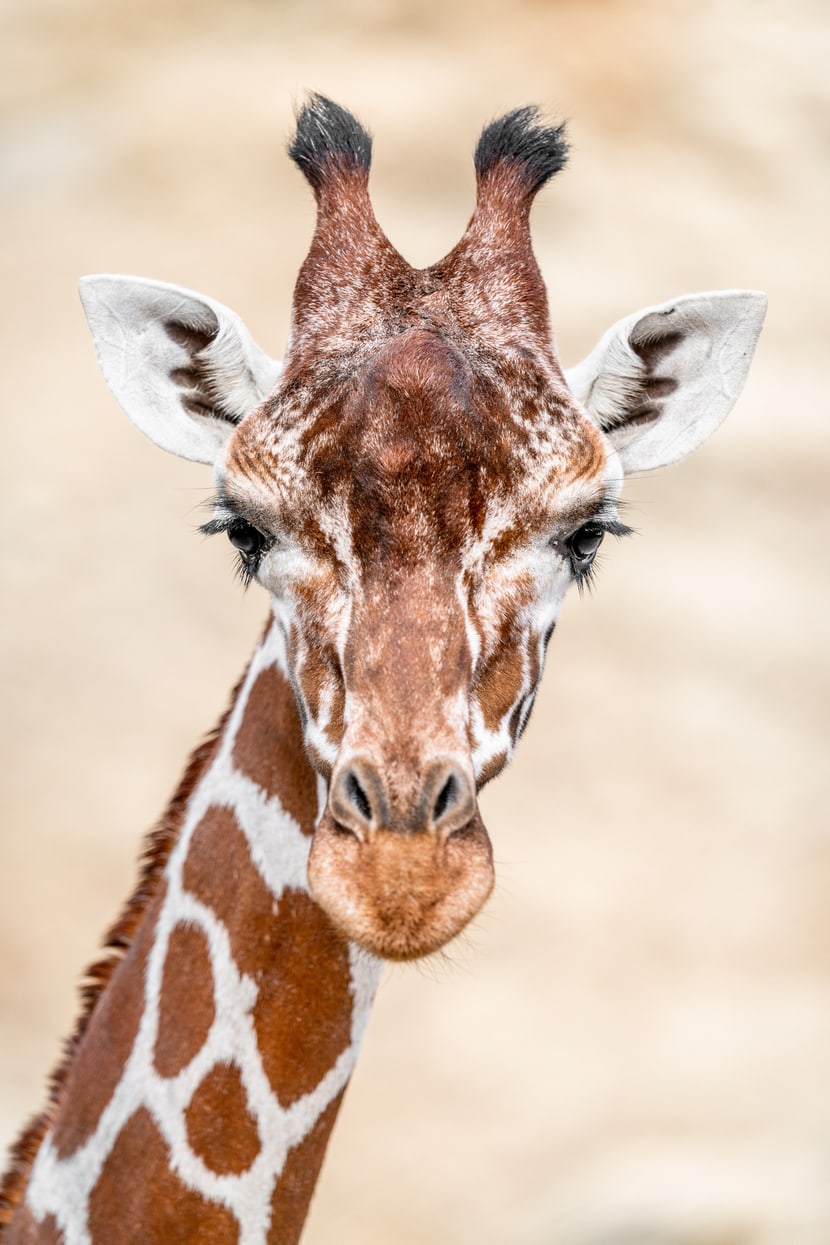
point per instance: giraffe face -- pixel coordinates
(414, 522)
(416, 487)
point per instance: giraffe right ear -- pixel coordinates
(660, 382)
(183, 367)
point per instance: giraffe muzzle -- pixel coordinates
(401, 872)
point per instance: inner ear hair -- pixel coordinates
(208, 384)
(631, 391)
(653, 341)
(200, 394)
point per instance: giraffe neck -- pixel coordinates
(199, 1100)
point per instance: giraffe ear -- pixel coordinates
(183, 367)
(660, 382)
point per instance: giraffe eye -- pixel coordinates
(246, 538)
(583, 546)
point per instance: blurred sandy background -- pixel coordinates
(632, 1047)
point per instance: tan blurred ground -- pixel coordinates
(633, 1045)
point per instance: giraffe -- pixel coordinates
(416, 487)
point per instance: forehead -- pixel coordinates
(416, 446)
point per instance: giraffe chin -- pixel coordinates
(400, 896)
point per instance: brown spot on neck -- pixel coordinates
(220, 1127)
(158, 1209)
(303, 1015)
(269, 748)
(186, 1006)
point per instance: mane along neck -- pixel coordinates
(221, 1028)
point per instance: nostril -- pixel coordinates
(450, 798)
(357, 797)
(446, 797)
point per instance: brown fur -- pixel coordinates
(236, 892)
(186, 1006)
(303, 1020)
(220, 1127)
(269, 748)
(503, 683)
(158, 1209)
(27, 1231)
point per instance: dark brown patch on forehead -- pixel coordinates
(300, 965)
(186, 1006)
(139, 1198)
(412, 451)
(106, 1046)
(418, 435)
(26, 1230)
(269, 748)
(292, 1195)
(303, 1015)
(220, 1127)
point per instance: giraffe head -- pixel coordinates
(416, 488)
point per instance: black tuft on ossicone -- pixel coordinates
(325, 131)
(520, 138)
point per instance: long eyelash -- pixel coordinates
(214, 527)
(244, 569)
(585, 580)
(217, 524)
(615, 528)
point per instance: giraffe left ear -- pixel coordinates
(183, 366)
(660, 382)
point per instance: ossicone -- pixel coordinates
(521, 149)
(329, 140)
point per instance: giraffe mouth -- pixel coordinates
(400, 896)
